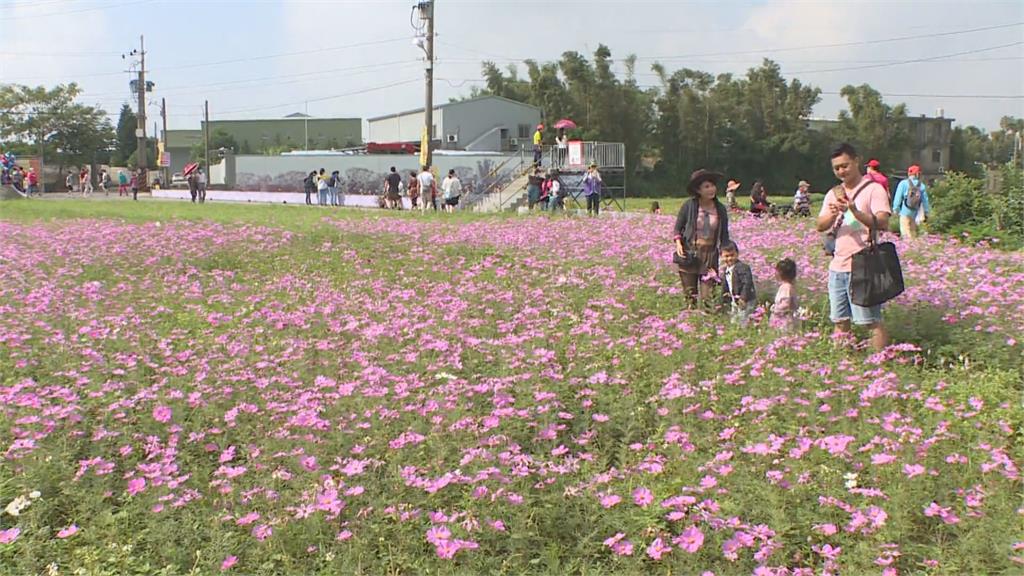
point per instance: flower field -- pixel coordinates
(279, 390)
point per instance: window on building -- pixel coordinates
(524, 131)
(433, 132)
(937, 156)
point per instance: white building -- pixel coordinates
(486, 123)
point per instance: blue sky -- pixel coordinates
(255, 59)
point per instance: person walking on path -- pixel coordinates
(333, 186)
(122, 183)
(452, 189)
(911, 203)
(393, 189)
(135, 183)
(193, 185)
(69, 181)
(426, 185)
(538, 138)
(33, 183)
(414, 190)
(85, 181)
(852, 208)
(701, 228)
(592, 190)
(201, 185)
(309, 187)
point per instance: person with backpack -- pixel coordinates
(911, 203)
(122, 183)
(309, 186)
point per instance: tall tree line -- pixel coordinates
(753, 126)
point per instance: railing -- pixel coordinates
(495, 179)
(607, 155)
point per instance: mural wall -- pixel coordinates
(364, 174)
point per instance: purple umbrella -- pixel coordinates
(565, 123)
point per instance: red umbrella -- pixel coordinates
(190, 168)
(565, 123)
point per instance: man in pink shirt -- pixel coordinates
(851, 209)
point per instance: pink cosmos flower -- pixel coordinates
(9, 535)
(690, 539)
(136, 485)
(228, 563)
(67, 532)
(343, 535)
(826, 529)
(912, 470)
(642, 497)
(162, 413)
(262, 532)
(609, 500)
(658, 548)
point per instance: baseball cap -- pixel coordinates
(874, 163)
(915, 169)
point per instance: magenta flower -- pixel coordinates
(642, 497)
(262, 532)
(10, 535)
(162, 413)
(67, 532)
(658, 548)
(228, 563)
(690, 539)
(136, 485)
(609, 500)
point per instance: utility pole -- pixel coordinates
(163, 138)
(140, 153)
(206, 136)
(426, 9)
(42, 166)
(305, 123)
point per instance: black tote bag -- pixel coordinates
(876, 275)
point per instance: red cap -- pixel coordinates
(915, 169)
(873, 164)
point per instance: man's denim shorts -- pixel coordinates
(841, 307)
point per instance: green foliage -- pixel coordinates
(962, 206)
(875, 128)
(218, 139)
(127, 142)
(70, 132)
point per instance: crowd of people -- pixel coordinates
(24, 181)
(708, 260)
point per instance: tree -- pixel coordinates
(127, 142)
(70, 132)
(219, 139)
(876, 129)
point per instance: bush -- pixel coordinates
(961, 206)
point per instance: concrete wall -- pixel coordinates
(401, 128)
(361, 174)
(293, 198)
(472, 119)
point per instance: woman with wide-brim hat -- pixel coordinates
(702, 226)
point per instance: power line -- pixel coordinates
(903, 62)
(319, 99)
(196, 87)
(762, 51)
(66, 12)
(237, 60)
(838, 44)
